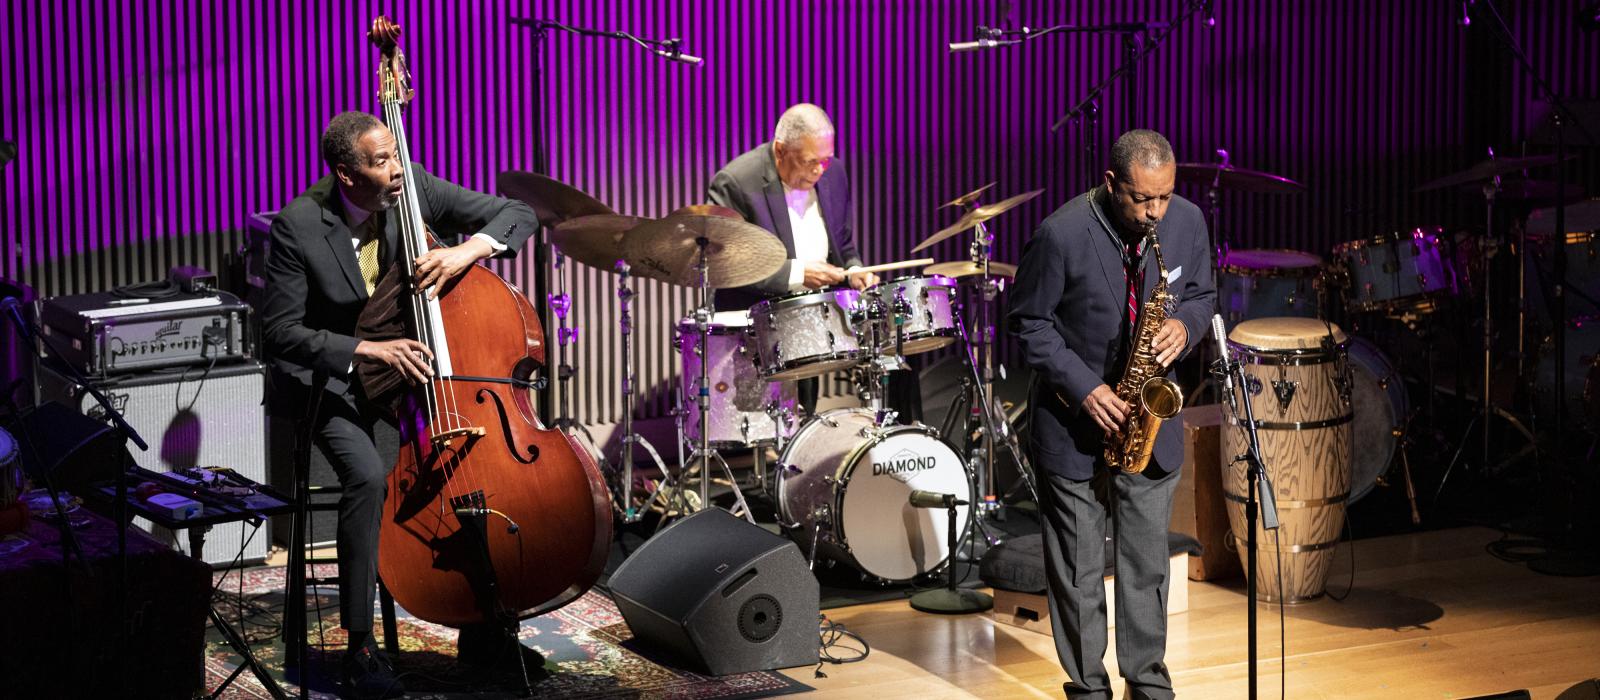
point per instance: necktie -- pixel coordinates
(367, 256)
(1133, 277)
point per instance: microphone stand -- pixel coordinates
(1259, 494)
(1135, 47)
(667, 48)
(119, 507)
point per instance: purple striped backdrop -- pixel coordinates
(148, 131)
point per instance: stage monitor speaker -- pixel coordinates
(721, 595)
(195, 417)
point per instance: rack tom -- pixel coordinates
(1395, 271)
(1262, 283)
(809, 334)
(1297, 375)
(926, 307)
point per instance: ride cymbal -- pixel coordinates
(1236, 178)
(967, 198)
(737, 253)
(977, 216)
(594, 240)
(552, 200)
(1486, 169)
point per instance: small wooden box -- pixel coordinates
(1031, 611)
(1198, 508)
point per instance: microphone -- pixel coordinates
(1223, 154)
(674, 53)
(987, 39)
(1220, 332)
(934, 499)
(9, 303)
(1211, 15)
(1466, 13)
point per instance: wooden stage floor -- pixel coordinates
(1431, 615)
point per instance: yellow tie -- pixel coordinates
(367, 255)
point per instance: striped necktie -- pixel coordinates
(368, 254)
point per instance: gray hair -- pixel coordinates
(338, 143)
(1141, 147)
(802, 120)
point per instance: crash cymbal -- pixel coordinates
(553, 200)
(966, 268)
(1526, 188)
(977, 216)
(737, 253)
(967, 198)
(1486, 169)
(1232, 177)
(594, 240)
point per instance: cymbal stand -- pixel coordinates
(560, 302)
(1485, 415)
(625, 294)
(702, 453)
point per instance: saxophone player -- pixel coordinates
(1084, 279)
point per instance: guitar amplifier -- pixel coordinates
(102, 334)
(195, 417)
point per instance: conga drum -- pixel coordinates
(1296, 373)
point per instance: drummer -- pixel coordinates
(792, 187)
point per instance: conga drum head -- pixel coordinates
(1287, 334)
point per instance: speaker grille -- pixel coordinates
(760, 618)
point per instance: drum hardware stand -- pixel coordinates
(561, 303)
(1482, 419)
(702, 454)
(630, 437)
(1258, 486)
(991, 421)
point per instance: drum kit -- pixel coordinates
(1321, 391)
(843, 479)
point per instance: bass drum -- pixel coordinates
(847, 486)
(1380, 406)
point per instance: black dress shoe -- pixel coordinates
(368, 675)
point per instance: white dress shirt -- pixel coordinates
(810, 233)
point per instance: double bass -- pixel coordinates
(490, 517)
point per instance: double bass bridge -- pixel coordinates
(446, 440)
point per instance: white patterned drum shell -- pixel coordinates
(854, 481)
(809, 334)
(1395, 271)
(740, 397)
(1263, 283)
(929, 307)
(11, 478)
(1379, 407)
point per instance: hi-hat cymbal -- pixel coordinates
(967, 198)
(1486, 169)
(1526, 188)
(552, 200)
(966, 268)
(978, 216)
(594, 240)
(1236, 178)
(737, 253)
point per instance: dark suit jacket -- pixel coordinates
(750, 185)
(314, 287)
(1069, 310)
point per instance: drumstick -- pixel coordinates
(919, 262)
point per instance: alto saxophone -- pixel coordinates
(1152, 396)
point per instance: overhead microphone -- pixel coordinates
(1211, 13)
(674, 53)
(1466, 13)
(988, 38)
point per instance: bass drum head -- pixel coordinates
(1379, 406)
(887, 536)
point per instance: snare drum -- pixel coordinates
(809, 334)
(927, 305)
(847, 484)
(1293, 369)
(1395, 271)
(1261, 283)
(742, 405)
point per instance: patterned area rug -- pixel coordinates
(586, 644)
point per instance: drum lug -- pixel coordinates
(1284, 390)
(831, 340)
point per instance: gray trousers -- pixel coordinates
(1074, 513)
